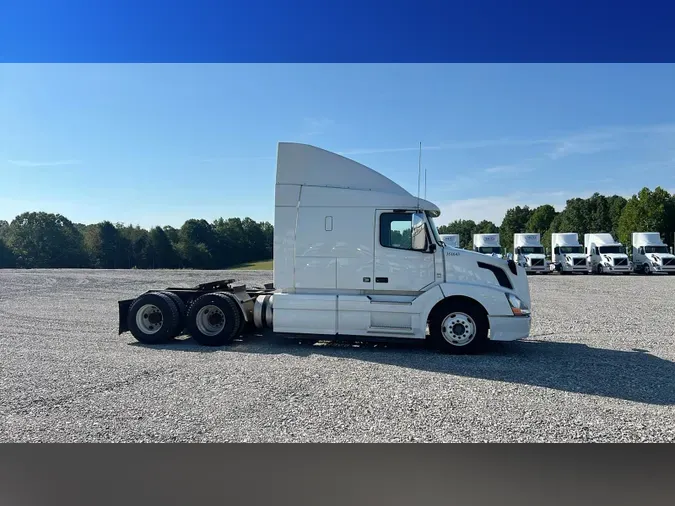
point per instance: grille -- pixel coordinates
(620, 261)
(579, 261)
(669, 261)
(537, 262)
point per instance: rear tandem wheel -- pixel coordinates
(153, 318)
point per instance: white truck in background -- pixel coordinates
(487, 244)
(567, 255)
(529, 252)
(451, 240)
(650, 254)
(607, 255)
(356, 256)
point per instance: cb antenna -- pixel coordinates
(419, 175)
(425, 184)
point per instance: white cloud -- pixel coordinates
(316, 126)
(585, 141)
(493, 208)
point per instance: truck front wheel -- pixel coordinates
(459, 327)
(214, 319)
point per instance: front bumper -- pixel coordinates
(617, 268)
(509, 328)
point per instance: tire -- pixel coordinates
(600, 270)
(182, 312)
(242, 321)
(214, 319)
(645, 269)
(153, 318)
(465, 314)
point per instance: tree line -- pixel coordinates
(646, 211)
(47, 240)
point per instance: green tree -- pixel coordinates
(43, 240)
(7, 259)
(514, 222)
(486, 227)
(541, 218)
(163, 253)
(648, 211)
(465, 229)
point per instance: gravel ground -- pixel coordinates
(599, 367)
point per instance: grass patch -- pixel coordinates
(263, 265)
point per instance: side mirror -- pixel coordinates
(419, 232)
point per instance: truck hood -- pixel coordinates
(614, 256)
(575, 255)
(462, 266)
(533, 255)
(662, 256)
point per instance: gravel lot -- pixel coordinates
(599, 367)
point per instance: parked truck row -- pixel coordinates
(600, 253)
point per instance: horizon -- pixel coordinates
(116, 142)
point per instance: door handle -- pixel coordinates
(381, 280)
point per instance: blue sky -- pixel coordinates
(157, 144)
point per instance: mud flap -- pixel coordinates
(124, 312)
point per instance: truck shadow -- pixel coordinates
(634, 375)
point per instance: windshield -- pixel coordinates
(489, 249)
(529, 250)
(612, 249)
(434, 230)
(656, 249)
(566, 250)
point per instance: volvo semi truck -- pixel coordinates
(607, 255)
(650, 254)
(567, 255)
(529, 252)
(451, 240)
(356, 256)
(488, 244)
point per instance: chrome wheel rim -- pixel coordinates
(210, 320)
(149, 319)
(458, 329)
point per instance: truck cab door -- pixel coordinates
(405, 255)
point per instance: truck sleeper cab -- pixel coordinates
(567, 255)
(355, 257)
(651, 255)
(487, 244)
(450, 240)
(607, 256)
(529, 252)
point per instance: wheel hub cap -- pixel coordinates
(149, 319)
(210, 320)
(458, 329)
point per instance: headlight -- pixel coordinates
(518, 307)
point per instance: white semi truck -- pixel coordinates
(650, 254)
(529, 252)
(567, 255)
(356, 256)
(607, 255)
(488, 244)
(451, 240)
